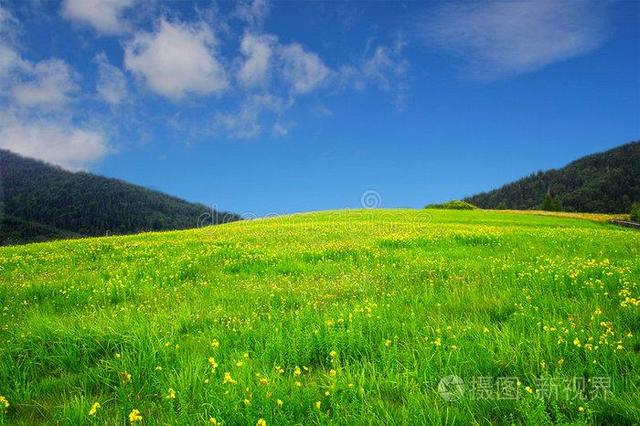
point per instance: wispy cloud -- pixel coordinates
(304, 70)
(384, 67)
(112, 83)
(499, 39)
(249, 121)
(253, 12)
(258, 58)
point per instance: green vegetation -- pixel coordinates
(40, 201)
(550, 203)
(634, 214)
(18, 231)
(351, 317)
(452, 205)
(607, 182)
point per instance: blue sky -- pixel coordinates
(275, 107)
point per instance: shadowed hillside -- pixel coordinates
(603, 182)
(40, 202)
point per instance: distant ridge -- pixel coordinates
(40, 202)
(606, 182)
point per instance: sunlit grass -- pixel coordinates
(348, 316)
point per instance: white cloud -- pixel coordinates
(258, 51)
(253, 12)
(105, 16)
(69, 147)
(301, 70)
(304, 70)
(500, 39)
(48, 84)
(280, 129)
(177, 59)
(248, 122)
(323, 111)
(112, 83)
(384, 67)
(35, 121)
(10, 60)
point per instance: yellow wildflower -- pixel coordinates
(125, 376)
(332, 373)
(279, 402)
(318, 404)
(261, 422)
(94, 408)
(213, 363)
(213, 421)
(4, 402)
(228, 379)
(297, 371)
(135, 416)
(215, 344)
(171, 394)
(333, 354)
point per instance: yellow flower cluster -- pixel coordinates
(135, 416)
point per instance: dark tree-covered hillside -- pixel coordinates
(35, 196)
(607, 182)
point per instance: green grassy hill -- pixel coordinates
(351, 317)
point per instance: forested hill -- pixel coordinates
(607, 182)
(40, 202)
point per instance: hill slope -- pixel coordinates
(345, 317)
(39, 201)
(603, 182)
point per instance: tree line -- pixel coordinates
(607, 182)
(38, 197)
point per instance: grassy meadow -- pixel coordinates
(347, 317)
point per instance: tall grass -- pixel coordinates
(344, 317)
